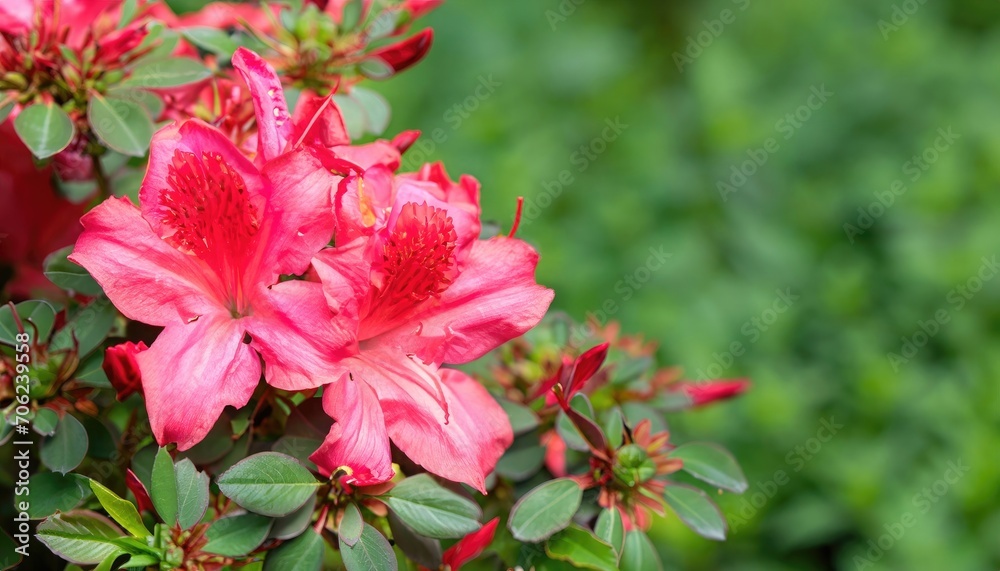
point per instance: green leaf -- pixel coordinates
(121, 510)
(639, 554)
(351, 525)
(269, 484)
(545, 510)
(294, 523)
(522, 419)
(376, 109)
(120, 124)
(522, 460)
(235, 536)
(128, 12)
(67, 448)
(91, 373)
(611, 529)
(192, 493)
(712, 464)
(163, 489)
(46, 421)
(36, 316)
(6, 108)
(88, 327)
(304, 553)
(372, 552)
(148, 100)
(422, 550)
(614, 428)
(376, 68)
(351, 14)
(581, 548)
(432, 510)
(212, 40)
(45, 129)
(81, 537)
(69, 276)
(696, 510)
(52, 492)
(9, 558)
(165, 73)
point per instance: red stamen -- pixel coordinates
(517, 217)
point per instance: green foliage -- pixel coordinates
(545, 510)
(431, 510)
(269, 484)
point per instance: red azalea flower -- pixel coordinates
(202, 257)
(421, 290)
(711, 391)
(122, 369)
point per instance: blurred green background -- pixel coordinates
(557, 71)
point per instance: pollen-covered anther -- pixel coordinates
(418, 259)
(207, 206)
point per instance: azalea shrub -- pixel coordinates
(239, 336)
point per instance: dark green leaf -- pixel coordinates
(121, 124)
(192, 493)
(522, 419)
(67, 448)
(36, 316)
(9, 558)
(68, 275)
(52, 492)
(713, 464)
(165, 73)
(268, 483)
(45, 129)
(163, 488)
(91, 372)
(121, 510)
(351, 525)
(545, 510)
(522, 460)
(294, 523)
(46, 421)
(639, 554)
(235, 536)
(88, 327)
(432, 510)
(611, 529)
(581, 548)
(423, 550)
(372, 552)
(304, 553)
(81, 537)
(696, 510)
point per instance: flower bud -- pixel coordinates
(633, 465)
(122, 369)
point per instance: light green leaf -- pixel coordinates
(168, 72)
(545, 510)
(121, 510)
(121, 124)
(696, 510)
(163, 489)
(192, 493)
(269, 484)
(432, 510)
(81, 537)
(372, 552)
(45, 129)
(713, 464)
(581, 548)
(611, 529)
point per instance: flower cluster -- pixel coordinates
(253, 338)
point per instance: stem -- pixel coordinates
(103, 184)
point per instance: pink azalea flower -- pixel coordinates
(202, 257)
(422, 291)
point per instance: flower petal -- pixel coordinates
(191, 372)
(493, 300)
(274, 123)
(318, 121)
(295, 332)
(459, 434)
(358, 439)
(144, 277)
(299, 215)
(193, 137)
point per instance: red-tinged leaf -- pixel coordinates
(402, 55)
(139, 491)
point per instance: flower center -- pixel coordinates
(418, 259)
(212, 216)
